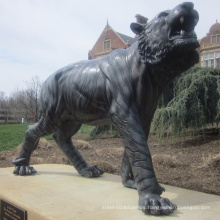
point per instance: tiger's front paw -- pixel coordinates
(156, 205)
(91, 171)
(24, 170)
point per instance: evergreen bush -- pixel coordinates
(194, 105)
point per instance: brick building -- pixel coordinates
(108, 41)
(210, 47)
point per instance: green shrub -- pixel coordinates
(195, 104)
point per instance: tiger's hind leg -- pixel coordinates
(126, 173)
(32, 136)
(63, 140)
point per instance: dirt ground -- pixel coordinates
(192, 164)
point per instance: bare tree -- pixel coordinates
(27, 100)
(22, 104)
(6, 107)
(3, 107)
(2, 97)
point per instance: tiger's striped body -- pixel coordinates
(122, 88)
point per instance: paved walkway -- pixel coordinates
(58, 192)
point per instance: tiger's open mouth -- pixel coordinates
(182, 22)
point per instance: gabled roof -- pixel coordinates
(125, 38)
(107, 27)
(117, 41)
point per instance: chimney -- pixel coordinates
(141, 19)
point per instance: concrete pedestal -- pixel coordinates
(58, 192)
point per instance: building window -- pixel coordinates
(217, 62)
(215, 38)
(212, 63)
(217, 54)
(206, 63)
(217, 57)
(212, 59)
(107, 44)
(206, 56)
(211, 55)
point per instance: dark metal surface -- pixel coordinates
(123, 88)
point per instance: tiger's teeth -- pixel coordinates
(181, 32)
(182, 20)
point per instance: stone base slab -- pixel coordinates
(58, 192)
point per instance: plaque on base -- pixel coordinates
(10, 211)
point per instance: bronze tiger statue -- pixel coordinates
(122, 88)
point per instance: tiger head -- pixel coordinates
(169, 37)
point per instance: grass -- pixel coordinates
(85, 129)
(11, 135)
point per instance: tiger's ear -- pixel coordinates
(137, 28)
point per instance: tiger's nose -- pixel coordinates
(187, 5)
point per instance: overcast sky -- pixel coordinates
(37, 37)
